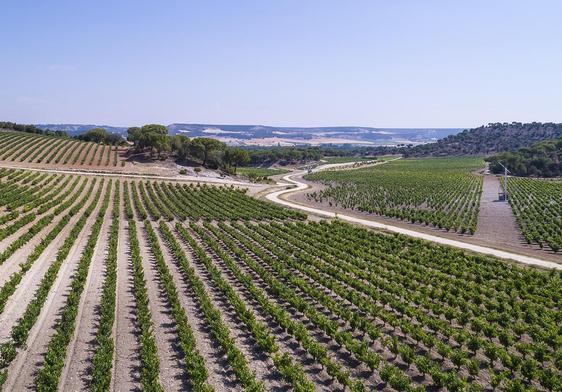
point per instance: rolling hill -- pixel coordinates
(488, 140)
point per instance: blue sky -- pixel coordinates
(380, 63)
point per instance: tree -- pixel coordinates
(96, 135)
(151, 136)
(159, 142)
(134, 136)
(114, 139)
(236, 157)
(210, 145)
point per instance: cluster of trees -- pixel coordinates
(262, 156)
(100, 135)
(487, 140)
(208, 152)
(28, 128)
(540, 160)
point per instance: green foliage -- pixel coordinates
(439, 192)
(541, 160)
(537, 204)
(102, 361)
(487, 140)
(257, 174)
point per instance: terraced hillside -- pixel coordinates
(39, 150)
(119, 284)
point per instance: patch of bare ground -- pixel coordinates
(173, 376)
(221, 377)
(13, 263)
(496, 220)
(287, 343)
(127, 365)
(22, 371)
(75, 374)
(16, 304)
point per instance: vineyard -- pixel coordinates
(113, 284)
(50, 150)
(439, 192)
(537, 204)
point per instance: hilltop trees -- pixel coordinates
(100, 135)
(541, 160)
(487, 140)
(153, 137)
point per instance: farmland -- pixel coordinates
(443, 192)
(537, 205)
(20, 147)
(109, 283)
(260, 173)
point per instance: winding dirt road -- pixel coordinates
(298, 186)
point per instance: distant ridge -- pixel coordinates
(328, 135)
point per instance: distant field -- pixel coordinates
(356, 159)
(439, 192)
(50, 150)
(259, 172)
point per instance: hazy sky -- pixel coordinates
(391, 63)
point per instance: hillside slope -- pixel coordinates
(490, 139)
(543, 159)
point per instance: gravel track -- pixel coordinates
(496, 221)
(22, 371)
(75, 374)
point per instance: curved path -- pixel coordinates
(300, 186)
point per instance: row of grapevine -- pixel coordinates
(439, 192)
(180, 201)
(264, 338)
(12, 283)
(213, 317)
(323, 305)
(309, 259)
(21, 329)
(102, 360)
(47, 378)
(537, 204)
(150, 378)
(32, 148)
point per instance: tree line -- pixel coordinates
(29, 128)
(540, 160)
